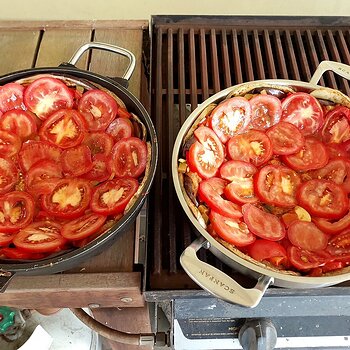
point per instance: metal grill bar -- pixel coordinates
(193, 59)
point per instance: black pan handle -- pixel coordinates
(111, 48)
(5, 277)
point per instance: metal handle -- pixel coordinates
(107, 47)
(217, 282)
(339, 68)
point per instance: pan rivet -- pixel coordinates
(94, 306)
(126, 300)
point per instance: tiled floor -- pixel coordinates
(63, 330)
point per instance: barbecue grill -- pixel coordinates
(192, 58)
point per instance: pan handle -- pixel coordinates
(339, 68)
(107, 47)
(5, 277)
(217, 282)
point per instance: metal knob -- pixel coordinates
(258, 334)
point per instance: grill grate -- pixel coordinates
(195, 57)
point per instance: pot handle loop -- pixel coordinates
(217, 282)
(107, 47)
(339, 68)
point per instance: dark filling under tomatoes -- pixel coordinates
(280, 190)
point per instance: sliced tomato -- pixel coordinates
(129, 157)
(6, 238)
(296, 214)
(83, 226)
(312, 156)
(304, 111)
(100, 170)
(266, 111)
(16, 211)
(230, 117)
(34, 151)
(64, 128)
(10, 144)
(11, 97)
(98, 108)
(323, 198)
(120, 128)
(303, 259)
(69, 199)
(253, 146)
(339, 247)
(285, 138)
(18, 122)
(77, 160)
(241, 186)
(336, 128)
(211, 191)
(206, 155)
(19, 254)
(40, 237)
(277, 185)
(333, 226)
(307, 236)
(336, 150)
(273, 252)
(112, 196)
(47, 95)
(263, 224)
(123, 112)
(233, 231)
(99, 143)
(42, 171)
(8, 175)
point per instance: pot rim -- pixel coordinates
(57, 263)
(284, 278)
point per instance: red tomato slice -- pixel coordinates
(100, 170)
(323, 198)
(273, 252)
(42, 171)
(11, 97)
(233, 231)
(263, 224)
(83, 226)
(253, 146)
(6, 238)
(123, 112)
(336, 150)
(98, 109)
(47, 95)
(312, 156)
(112, 197)
(210, 192)
(129, 157)
(285, 138)
(8, 175)
(99, 143)
(16, 211)
(333, 226)
(77, 160)
(304, 111)
(266, 111)
(10, 144)
(69, 199)
(241, 186)
(120, 128)
(306, 235)
(18, 122)
(34, 151)
(207, 154)
(64, 128)
(277, 185)
(339, 247)
(304, 260)
(40, 237)
(336, 128)
(230, 117)
(19, 254)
